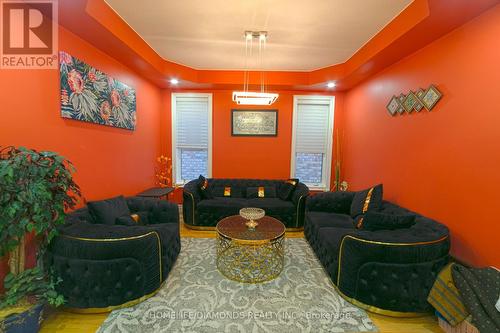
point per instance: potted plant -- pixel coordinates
(36, 188)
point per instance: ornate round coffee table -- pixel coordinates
(250, 255)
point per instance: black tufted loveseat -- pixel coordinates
(103, 267)
(202, 213)
(384, 271)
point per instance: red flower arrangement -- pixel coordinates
(163, 172)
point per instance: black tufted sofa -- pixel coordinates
(103, 267)
(385, 271)
(202, 213)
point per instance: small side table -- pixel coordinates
(156, 192)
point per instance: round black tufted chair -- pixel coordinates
(103, 267)
(385, 271)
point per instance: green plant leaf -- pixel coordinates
(8, 278)
(35, 188)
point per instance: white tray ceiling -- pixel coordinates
(303, 35)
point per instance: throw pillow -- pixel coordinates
(373, 221)
(142, 217)
(205, 190)
(227, 192)
(126, 220)
(286, 189)
(136, 218)
(261, 192)
(367, 200)
(107, 211)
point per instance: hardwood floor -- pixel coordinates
(60, 321)
(66, 322)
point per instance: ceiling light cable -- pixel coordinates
(245, 72)
(247, 97)
(260, 65)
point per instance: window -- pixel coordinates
(312, 140)
(191, 136)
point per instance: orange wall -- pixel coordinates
(444, 163)
(251, 157)
(109, 161)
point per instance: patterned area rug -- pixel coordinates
(197, 298)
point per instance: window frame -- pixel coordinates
(175, 160)
(327, 159)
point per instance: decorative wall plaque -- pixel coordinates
(412, 101)
(431, 97)
(254, 122)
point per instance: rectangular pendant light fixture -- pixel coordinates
(253, 98)
(261, 97)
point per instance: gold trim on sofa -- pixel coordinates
(379, 243)
(297, 212)
(198, 227)
(294, 229)
(192, 199)
(374, 309)
(124, 239)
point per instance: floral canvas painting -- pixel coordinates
(88, 94)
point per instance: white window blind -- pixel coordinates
(312, 140)
(312, 127)
(192, 122)
(191, 136)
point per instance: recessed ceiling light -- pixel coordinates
(174, 81)
(330, 84)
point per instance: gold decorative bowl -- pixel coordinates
(251, 214)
